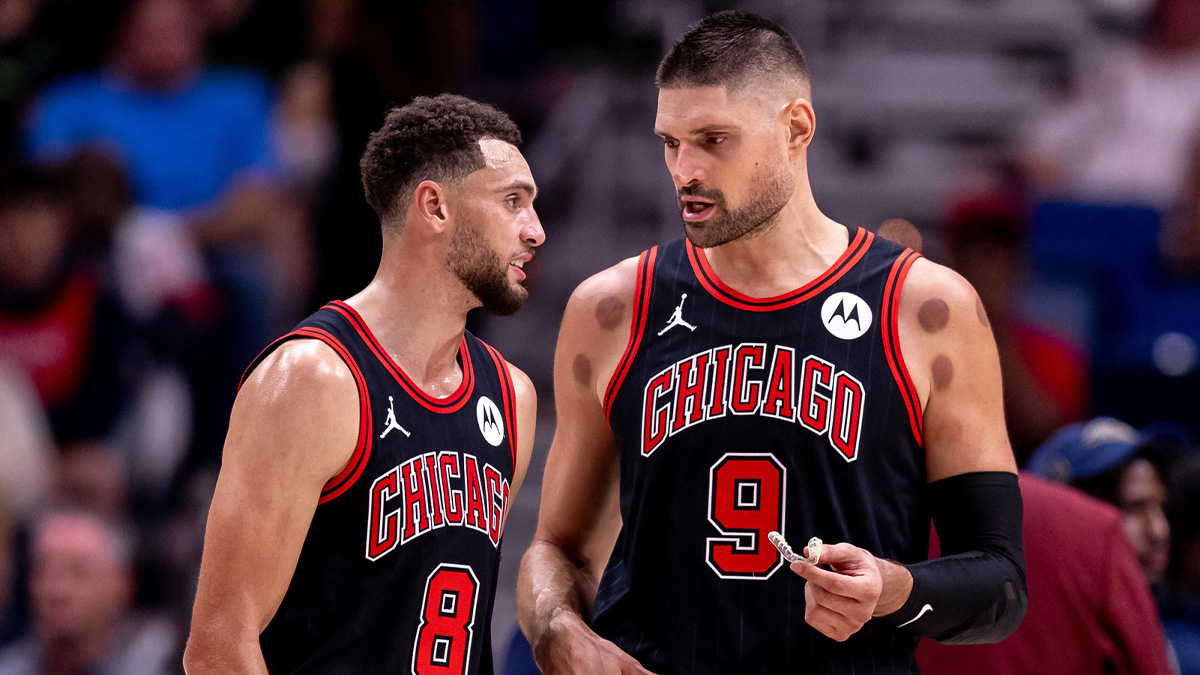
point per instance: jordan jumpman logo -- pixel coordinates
(391, 421)
(677, 318)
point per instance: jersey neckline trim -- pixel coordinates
(859, 243)
(450, 404)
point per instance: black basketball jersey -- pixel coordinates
(398, 570)
(735, 416)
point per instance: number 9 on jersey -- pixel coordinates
(745, 502)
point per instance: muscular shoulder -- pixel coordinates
(523, 389)
(602, 290)
(301, 401)
(603, 304)
(595, 326)
(950, 354)
(938, 298)
(297, 372)
(940, 313)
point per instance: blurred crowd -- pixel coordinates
(179, 184)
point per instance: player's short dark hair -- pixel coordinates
(429, 139)
(731, 47)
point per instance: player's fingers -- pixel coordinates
(827, 622)
(833, 582)
(841, 555)
(854, 609)
(850, 606)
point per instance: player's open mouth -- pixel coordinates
(519, 264)
(694, 210)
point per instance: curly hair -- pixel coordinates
(731, 47)
(433, 139)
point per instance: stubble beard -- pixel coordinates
(757, 217)
(482, 272)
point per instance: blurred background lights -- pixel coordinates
(1174, 354)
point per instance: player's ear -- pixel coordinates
(430, 205)
(801, 122)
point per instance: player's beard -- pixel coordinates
(482, 271)
(774, 191)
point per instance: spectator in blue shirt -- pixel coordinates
(195, 143)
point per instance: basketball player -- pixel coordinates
(373, 451)
(774, 371)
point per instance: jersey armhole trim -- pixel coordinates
(509, 395)
(637, 328)
(889, 324)
(362, 448)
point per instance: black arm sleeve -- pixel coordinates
(976, 591)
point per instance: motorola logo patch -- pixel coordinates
(846, 315)
(491, 423)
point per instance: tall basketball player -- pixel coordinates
(773, 371)
(373, 451)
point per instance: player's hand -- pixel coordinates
(574, 649)
(837, 603)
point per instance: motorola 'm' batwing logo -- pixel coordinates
(846, 315)
(491, 423)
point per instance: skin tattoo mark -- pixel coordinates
(934, 315)
(583, 370)
(609, 313)
(943, 372)
(981, 313)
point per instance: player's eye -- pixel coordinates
(670, 142)
(715, 140)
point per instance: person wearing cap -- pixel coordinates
(1090, 611)
(1112, 461)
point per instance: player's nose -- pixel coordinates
(686, 168)
(532, 233)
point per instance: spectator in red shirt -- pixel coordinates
(1112, 461)
(1090, 608)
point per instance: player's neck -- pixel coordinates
(801, 245)
(419, 319)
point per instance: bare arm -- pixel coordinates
(947, 343)
(293, 426)
(579, 516)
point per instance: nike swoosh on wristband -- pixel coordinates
(920, 614)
